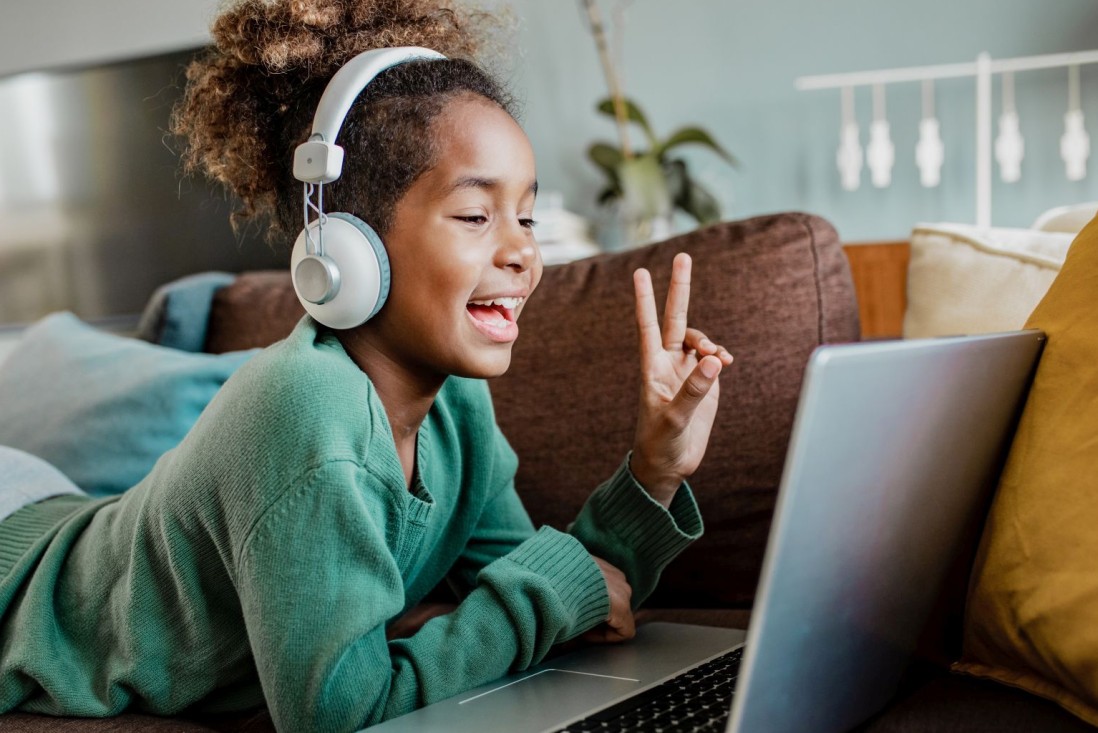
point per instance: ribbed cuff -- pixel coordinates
(571, 572)
(20, 531)
(622, 508)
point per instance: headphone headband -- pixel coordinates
(320, 160)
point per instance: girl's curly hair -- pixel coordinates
(250, 100)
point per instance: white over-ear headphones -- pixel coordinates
(339, 266)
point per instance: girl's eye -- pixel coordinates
(474, 219)
(528, 223)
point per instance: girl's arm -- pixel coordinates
(620, 522)
(318, 582)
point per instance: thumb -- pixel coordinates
(696, 387)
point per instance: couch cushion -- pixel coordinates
(258, 721)
(128, 723)
(1032, 616)
(770, 288)
(933, 701)
(102, 407)
(967, 279)
(178, 313)
(257, 309)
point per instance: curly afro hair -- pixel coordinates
(250, 100)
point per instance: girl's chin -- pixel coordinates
(487, 366)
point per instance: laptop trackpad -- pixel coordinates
(546, 695)
(536, 701)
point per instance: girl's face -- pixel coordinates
(462, 249)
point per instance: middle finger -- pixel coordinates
(678, 300)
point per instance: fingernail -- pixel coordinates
(710, 367)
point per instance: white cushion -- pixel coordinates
(1070, 218)
(26, 479)
(965, 279)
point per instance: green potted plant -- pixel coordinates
(646, 185)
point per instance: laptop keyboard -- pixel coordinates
(699, 699)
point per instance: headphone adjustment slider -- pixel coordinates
(317, 161)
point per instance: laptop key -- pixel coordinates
(696, 701)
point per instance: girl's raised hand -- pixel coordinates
(679, 388)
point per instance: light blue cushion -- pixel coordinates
(178, 313)
(26, 479)
(102, 407)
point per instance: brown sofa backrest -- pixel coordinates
(770, 288)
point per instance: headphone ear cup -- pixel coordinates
(361, 272)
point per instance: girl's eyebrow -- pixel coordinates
(478, 182)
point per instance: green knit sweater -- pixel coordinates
(262, 559)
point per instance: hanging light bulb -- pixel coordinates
(1075, 142)
(1010, 148)
(929, 152)
(880, 154)
(849, 155)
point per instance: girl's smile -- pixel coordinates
(495, 317)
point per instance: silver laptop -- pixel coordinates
(896, 447)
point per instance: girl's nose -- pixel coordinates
(517, 250)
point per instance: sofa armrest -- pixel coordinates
(879, 271)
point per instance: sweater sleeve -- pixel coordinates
(625, 526)
(318, 582)
(620, 523)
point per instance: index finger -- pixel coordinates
(648, 325)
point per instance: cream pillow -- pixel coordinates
(967, 279)
(1071, 218)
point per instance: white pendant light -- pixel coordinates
(1010, 147)
(929, 152)
(880, 154)
(849, 156)
(1075, 142)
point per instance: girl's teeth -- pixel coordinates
(509, 303)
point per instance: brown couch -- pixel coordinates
(772, 288)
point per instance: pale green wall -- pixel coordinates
(730, 67)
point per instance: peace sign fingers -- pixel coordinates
(679, 390)
(673, 334)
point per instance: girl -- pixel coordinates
(340, 475)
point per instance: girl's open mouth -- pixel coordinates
(495, 318)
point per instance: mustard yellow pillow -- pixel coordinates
(1032, 615)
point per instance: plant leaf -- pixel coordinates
(696, 135)
(608, 158)
(699, 203)
(633, 114)
(605, 156)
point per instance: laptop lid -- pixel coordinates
(896, 447)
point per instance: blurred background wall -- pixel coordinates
(727, 66)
